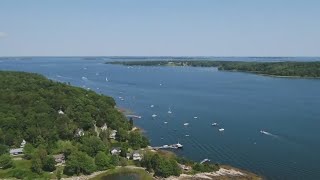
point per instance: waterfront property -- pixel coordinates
(115, 151)
(59, 158)
(16, 151)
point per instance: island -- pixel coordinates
(278, 69)
(52, 130)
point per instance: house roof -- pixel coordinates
(115, 148)
(18, 150)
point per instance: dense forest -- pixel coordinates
(49, 115)
(288, 68)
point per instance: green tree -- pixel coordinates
(102, 161)
(49, 164)
(3, 149)
(79, 162)
(6, 161)
(36, 165)
(92, 145)
(28, 151)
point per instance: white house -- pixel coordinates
(23, 143)
(104, 127)
(15, 152)
(60, 112)
(113, 134)
(79, 133)
(137, 156)
(115, 151)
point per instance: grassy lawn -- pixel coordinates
(143, 175)
(22, 171)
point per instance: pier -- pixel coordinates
(205, 160)
(173, 146)
(133, 116)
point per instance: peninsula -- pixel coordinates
(52, 130)
(279, 69)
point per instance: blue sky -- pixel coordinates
(160, 27)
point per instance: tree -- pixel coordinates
(28, 150)
(49, 164)
(59, 174)
(130, 123)
(122, 135)
(6, 161)
(36, 165)
(79, 162)
(102, 161)
(3, 149)
(92, 145)
(124, 149)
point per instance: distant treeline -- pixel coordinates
(289, 68)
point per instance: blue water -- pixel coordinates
(241, 103)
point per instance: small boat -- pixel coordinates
(187, 135)
(186, 124)
(160, 84)
(214, 124)
(107, 79)
(84, 78)
(169, 111)
(178, 145)
(152, 106)
(221, 129)
(165, 146)
(154, 115)
(264, 132)
(195, 117)
(97, 74)
(166, 122)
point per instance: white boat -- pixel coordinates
(178, 145)
(152, 106)
(186, 124)
(84, 78)
(187, 135)
(154, 115)
(214, 124)
(169, 112)
(166, 122)
(264, 132)
(195, 117)
(221, 129)
(107, 79)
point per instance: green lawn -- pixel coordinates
(22, 171)
(143, 175)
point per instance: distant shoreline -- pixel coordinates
(286, 69)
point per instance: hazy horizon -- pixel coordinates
(247, 28)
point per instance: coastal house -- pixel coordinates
(16, 151)
(115, 151)
(23, 143)
(104, 127)
(113, 134)
(137, 156)
(79, 133)
(59, 158)
(60, 112)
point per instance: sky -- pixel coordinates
(160, 28)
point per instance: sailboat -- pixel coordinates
(169, 112)
(107, 79)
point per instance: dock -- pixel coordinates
(205, 160)
(133, 116)
(172, 146)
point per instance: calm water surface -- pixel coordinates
(242, 104)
